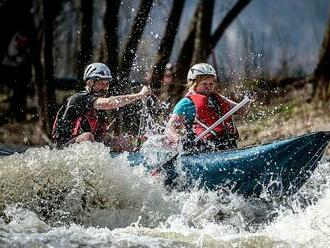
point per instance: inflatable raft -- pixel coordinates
(279, 168)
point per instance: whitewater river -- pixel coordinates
(81, 197)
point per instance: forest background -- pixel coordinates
(280, 49)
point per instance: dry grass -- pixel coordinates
(285, 119)
(302, 119)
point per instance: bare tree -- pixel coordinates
(111, 35)
(183, 61)
(203, 30)
(166, 44)
(50, 11)
(36, 28)
(85, 53)
(134, 37)
(224, 24)
(40, 24)
(124, 67)
(185, 55)
(321, 85)
(40, 85)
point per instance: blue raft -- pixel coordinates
(277, 169)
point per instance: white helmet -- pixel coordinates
(97, 70)
(200, 69)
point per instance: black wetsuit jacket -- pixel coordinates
(78, 115)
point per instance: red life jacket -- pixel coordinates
(97, 125)
(209, 115)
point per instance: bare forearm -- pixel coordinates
(115, 102)
(121, 101)
(175, 128)
(173, 135)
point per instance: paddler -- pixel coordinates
(201, 107)
(83, 116)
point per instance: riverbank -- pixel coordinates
(295, 115)
(289, 114)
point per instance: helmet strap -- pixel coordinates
(92, 87)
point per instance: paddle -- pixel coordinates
(246, 99)
(142, 121)
(7, 152)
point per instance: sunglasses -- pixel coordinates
(102, 80)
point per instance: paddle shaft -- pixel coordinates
(223, 118)
(142, 116)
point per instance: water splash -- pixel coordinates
(68, 185)
(53, 197)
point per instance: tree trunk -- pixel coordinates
(183, 62)
(39, 79)
(85, 53)
(224, 24)
(111, 53)
(321, 85)
(50, 11)
(203, 31)
(41, 25)
(129, 112)
(166, 44)
(185, 56)
(111, 35)
(134, 39)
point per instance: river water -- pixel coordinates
(81, 197)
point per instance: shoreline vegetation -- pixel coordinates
(286, 115)
(42, 59)
(290, 115)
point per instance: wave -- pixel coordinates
(56, 194)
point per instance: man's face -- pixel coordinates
(99, 87)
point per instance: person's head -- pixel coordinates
(168, 76)
(147, 77)
(97, 77)
(201, 78)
